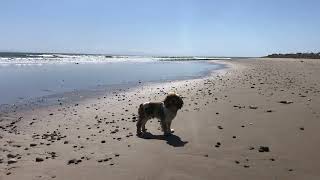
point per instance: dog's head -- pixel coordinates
(173, 100)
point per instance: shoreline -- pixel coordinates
(100, 91)
(219, 132)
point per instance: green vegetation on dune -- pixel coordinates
(296, 55)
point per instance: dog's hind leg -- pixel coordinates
(144, 125)
(139, 125)
(140, 119)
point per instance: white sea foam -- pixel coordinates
(39, 59)
(57, 59)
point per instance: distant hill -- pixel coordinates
(296, 55)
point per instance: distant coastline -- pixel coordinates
(296, 55)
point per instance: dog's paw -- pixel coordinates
(171, 130)
(139, 134)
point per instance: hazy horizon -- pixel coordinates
(111, 54)
(167, 28)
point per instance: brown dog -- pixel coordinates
(166, 111)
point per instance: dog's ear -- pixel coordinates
(179, 102)
(167, 101)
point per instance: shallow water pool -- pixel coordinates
(18, 83)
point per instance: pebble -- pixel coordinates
(253, 107)
(264, 149)
(217, 145)
(285, 102)
(11, 156)
(38, 159)
(33, 145)
(78, 161)
(72, 161)
(12, 160)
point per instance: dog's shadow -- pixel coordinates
(171, 139)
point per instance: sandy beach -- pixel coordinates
(256, 119)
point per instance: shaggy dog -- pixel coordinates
(165, 111)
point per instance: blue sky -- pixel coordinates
(162, 27)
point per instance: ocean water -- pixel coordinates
(25, 78)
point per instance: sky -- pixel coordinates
(161, 27)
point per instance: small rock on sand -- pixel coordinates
(33, 145)
(72, 161)
(11, 156)
(12, 160)
(253, 107)
(217, 145)
(38, 159)
(264, 149)
(285, 102)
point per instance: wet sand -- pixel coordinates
(257, 119)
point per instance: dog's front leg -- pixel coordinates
(165, 127)
(169, 127)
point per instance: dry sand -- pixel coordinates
(269, 105)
